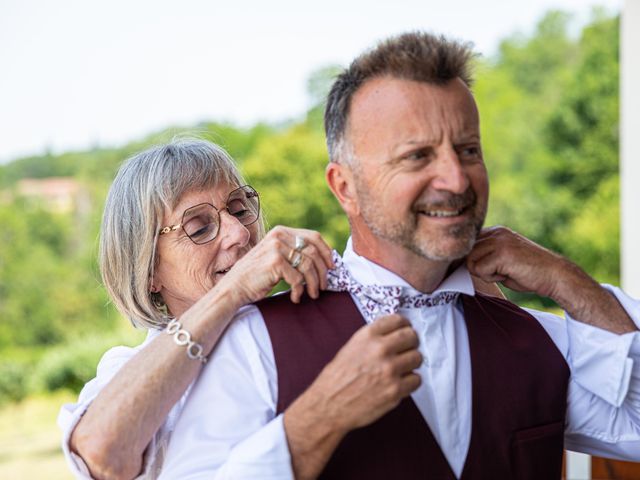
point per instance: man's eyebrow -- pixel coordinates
(469, 137)
(411, 142)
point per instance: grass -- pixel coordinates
(30, 439)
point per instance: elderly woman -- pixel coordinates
(182, 248)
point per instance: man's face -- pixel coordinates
(419, 175)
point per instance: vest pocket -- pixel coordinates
(536, 452)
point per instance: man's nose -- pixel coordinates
(232, 232)
(450, 174)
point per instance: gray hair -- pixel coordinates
(418, 56)
(146, 186)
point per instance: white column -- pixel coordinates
(578, 466)
(630, 146)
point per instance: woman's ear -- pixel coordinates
(340, 180)
(155, 285)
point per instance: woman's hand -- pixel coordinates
(270, 261)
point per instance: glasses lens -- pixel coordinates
(244, 204)
(201, 223)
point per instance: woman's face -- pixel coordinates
(186, 271)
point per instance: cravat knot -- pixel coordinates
(377, 300)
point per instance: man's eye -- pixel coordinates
(470, 151)
(417, 155)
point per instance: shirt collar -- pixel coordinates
(367, 272)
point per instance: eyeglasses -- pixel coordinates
(201, 223)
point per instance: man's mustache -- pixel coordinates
(444, 199)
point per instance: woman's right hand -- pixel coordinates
(255, 274)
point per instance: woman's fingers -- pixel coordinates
(315, 257)
(298, 270)
(306, 267)
(299, 257)
(295, 279)
(321, 250)
(317, 263)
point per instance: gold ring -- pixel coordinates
(300, 243)
(296, 260)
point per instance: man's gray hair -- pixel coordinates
(418, 56)
(146, 186)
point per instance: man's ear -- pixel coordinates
(340, 180)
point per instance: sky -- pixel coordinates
(80, 73)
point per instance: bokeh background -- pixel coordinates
(85, 85)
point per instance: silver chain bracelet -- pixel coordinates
(183, 338)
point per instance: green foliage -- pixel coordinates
(48, 289)
(287, 171)
(549, 110)
(13, 381)
(70, 366)
(66, 366)
(583, 129)
(592, 236)
(318, 86)
(539, 62)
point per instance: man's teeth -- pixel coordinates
(443, 213)
(224, 271)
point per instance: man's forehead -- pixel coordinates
(422, 108)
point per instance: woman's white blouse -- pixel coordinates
(71, 413)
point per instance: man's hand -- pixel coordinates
(501, 255)
(369, 376)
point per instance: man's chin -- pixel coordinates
(449, 251)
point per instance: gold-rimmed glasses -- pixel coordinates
(201, 223)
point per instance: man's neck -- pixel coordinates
(422, 274)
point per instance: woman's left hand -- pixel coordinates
(273, 259)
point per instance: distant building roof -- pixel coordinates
(62, 194)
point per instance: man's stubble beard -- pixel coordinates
(427, 244)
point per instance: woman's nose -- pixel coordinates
(232, 232)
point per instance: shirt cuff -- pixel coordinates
(602, 362)
(264, 455)
(634, 385)
(68, 418)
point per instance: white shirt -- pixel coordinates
(229, 428)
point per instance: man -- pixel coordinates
(455, 385)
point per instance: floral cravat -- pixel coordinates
(377, 300)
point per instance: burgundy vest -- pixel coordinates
(519, 391)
